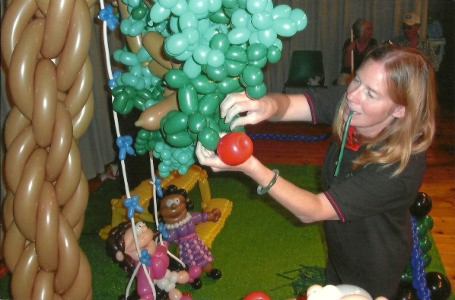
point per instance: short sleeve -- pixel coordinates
(373, 190)
(324, 103)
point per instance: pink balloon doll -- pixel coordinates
(122, 248)
(180, 228)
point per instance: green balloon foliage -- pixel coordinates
(222, 47)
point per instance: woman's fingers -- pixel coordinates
(209, 158)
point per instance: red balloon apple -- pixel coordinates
(234, 148)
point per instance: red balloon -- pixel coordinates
(234, 148)
(257, 296)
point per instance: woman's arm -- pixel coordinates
(241, 110)
(306, 206)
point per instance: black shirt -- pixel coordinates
(370, 246)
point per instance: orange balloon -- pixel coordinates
(16, 18)
(43, 287)
(28, 192)
(82, 120)
(68, 180)
(133, 42)
(153, 43)
(81, 89)
(14, 124)
(56, 28)
(74, 209)
(16, 157)
(13, 246)
(81, 287)
(23, 65)
(68, 257)
(76, 47)
(24, 274)
(47, 228)
(45, 102)
(8, 215)
(151, 118)
(61, 143)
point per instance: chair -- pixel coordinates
(306, 69)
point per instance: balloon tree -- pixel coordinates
(183, 57)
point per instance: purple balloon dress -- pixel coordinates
(192, 249)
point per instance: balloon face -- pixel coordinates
(235, 148)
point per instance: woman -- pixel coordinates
(355, 49)
(368, 186)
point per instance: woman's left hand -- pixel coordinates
(211, 159)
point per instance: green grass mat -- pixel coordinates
(261, 247)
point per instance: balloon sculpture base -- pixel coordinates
(207, 231)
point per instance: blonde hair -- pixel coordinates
(411, 83)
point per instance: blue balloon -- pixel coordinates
(239, 35)
(255, 6)
(168, 3)
(201, 53)
(187, 20)
(215, 58)
(284, 27)
(240, 18)
(262, 20)
(180, 8)
(176, 44)
(281, 11)
(267, 37)
(300, 18)
(198, 6)
(158, 13)
(214, 5)
(191, 69)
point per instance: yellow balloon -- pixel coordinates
(16, 157)
(16, 18)
(43, 287)
(8, 215)
(24, 274)
(74, 209)
(56, 28)
(14, 124)
(13, 246)
(82, 120)
(68, 180)
(81, 288)
(61, 143)
(47, 229)
(68, 257)
(23, 65)
(81, 89)
(45, 102)
(28, 192)
(76, 47)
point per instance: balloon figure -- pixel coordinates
(180, 228)
(122, 248)
(45, 47)
(183, 58)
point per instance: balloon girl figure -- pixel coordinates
(180, 228)
(122, 248)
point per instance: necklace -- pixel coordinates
(179, 223)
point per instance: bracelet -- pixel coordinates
(264, 190)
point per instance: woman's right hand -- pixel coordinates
(234, 107)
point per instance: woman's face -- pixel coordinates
(369, 99)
